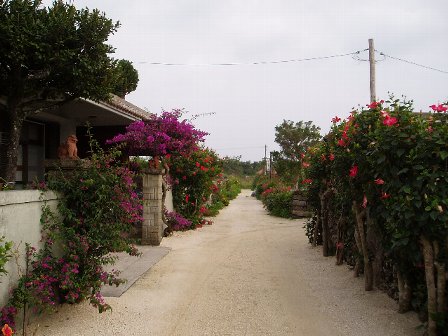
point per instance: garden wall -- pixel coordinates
(20, 213)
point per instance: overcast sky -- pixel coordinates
(248, 101)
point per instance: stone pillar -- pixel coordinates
(152, 228)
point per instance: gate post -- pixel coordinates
(152, 227)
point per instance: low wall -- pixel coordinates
(20, 213)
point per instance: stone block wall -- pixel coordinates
(299, 206)
(152, 228)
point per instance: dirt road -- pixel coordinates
(247, 274)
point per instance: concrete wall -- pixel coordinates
(20, 213)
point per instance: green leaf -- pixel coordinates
(443, 155)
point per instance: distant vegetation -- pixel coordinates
(243, 171)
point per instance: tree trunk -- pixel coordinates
(357, 268)
(324, 216)
(324, 208)
(368, 270)
(374, 244)
(404, 294)
(317, 228)
(441, 280)
(340, 242)
(428, 255)
(14, 129)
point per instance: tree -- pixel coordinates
(48, 56)
(294, 140)
(234, 166)
(126, 78)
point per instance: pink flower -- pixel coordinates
(364, 201)
(305, 165)
(429, 129)
(384, 195)
(390, 121)
(335, 120)
(331, 157)
(353, 171)
(379, 181)
(439, 108)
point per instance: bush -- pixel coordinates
(96, 214)
(278, 202)
(378, 185)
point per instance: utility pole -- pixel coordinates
(372, 71)
(265, 160)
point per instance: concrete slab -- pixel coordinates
(132, 268)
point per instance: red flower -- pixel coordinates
(307, 181)
(187, 198)
(379, 181)
(305, 165)
(439, 108)
(331, 157)
(374, 104)
(339, 245)
(344, 135)
(390, 121)
(353, 171)
(364, 201)
(198, 164)
(341, 143)
(6, 330)
(302, 155)
(335, 120)
(429, 129)
(384, 195)
(184, 177)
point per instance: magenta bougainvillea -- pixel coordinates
(160, 135)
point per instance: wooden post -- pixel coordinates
(372, 71)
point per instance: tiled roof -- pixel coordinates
(126, 107)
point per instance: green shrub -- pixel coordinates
(278, 202)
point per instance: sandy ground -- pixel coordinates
(247, 274)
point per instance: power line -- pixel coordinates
(259, 62)
(354, 54)
(413, 63)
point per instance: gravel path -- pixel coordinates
(247, 274)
